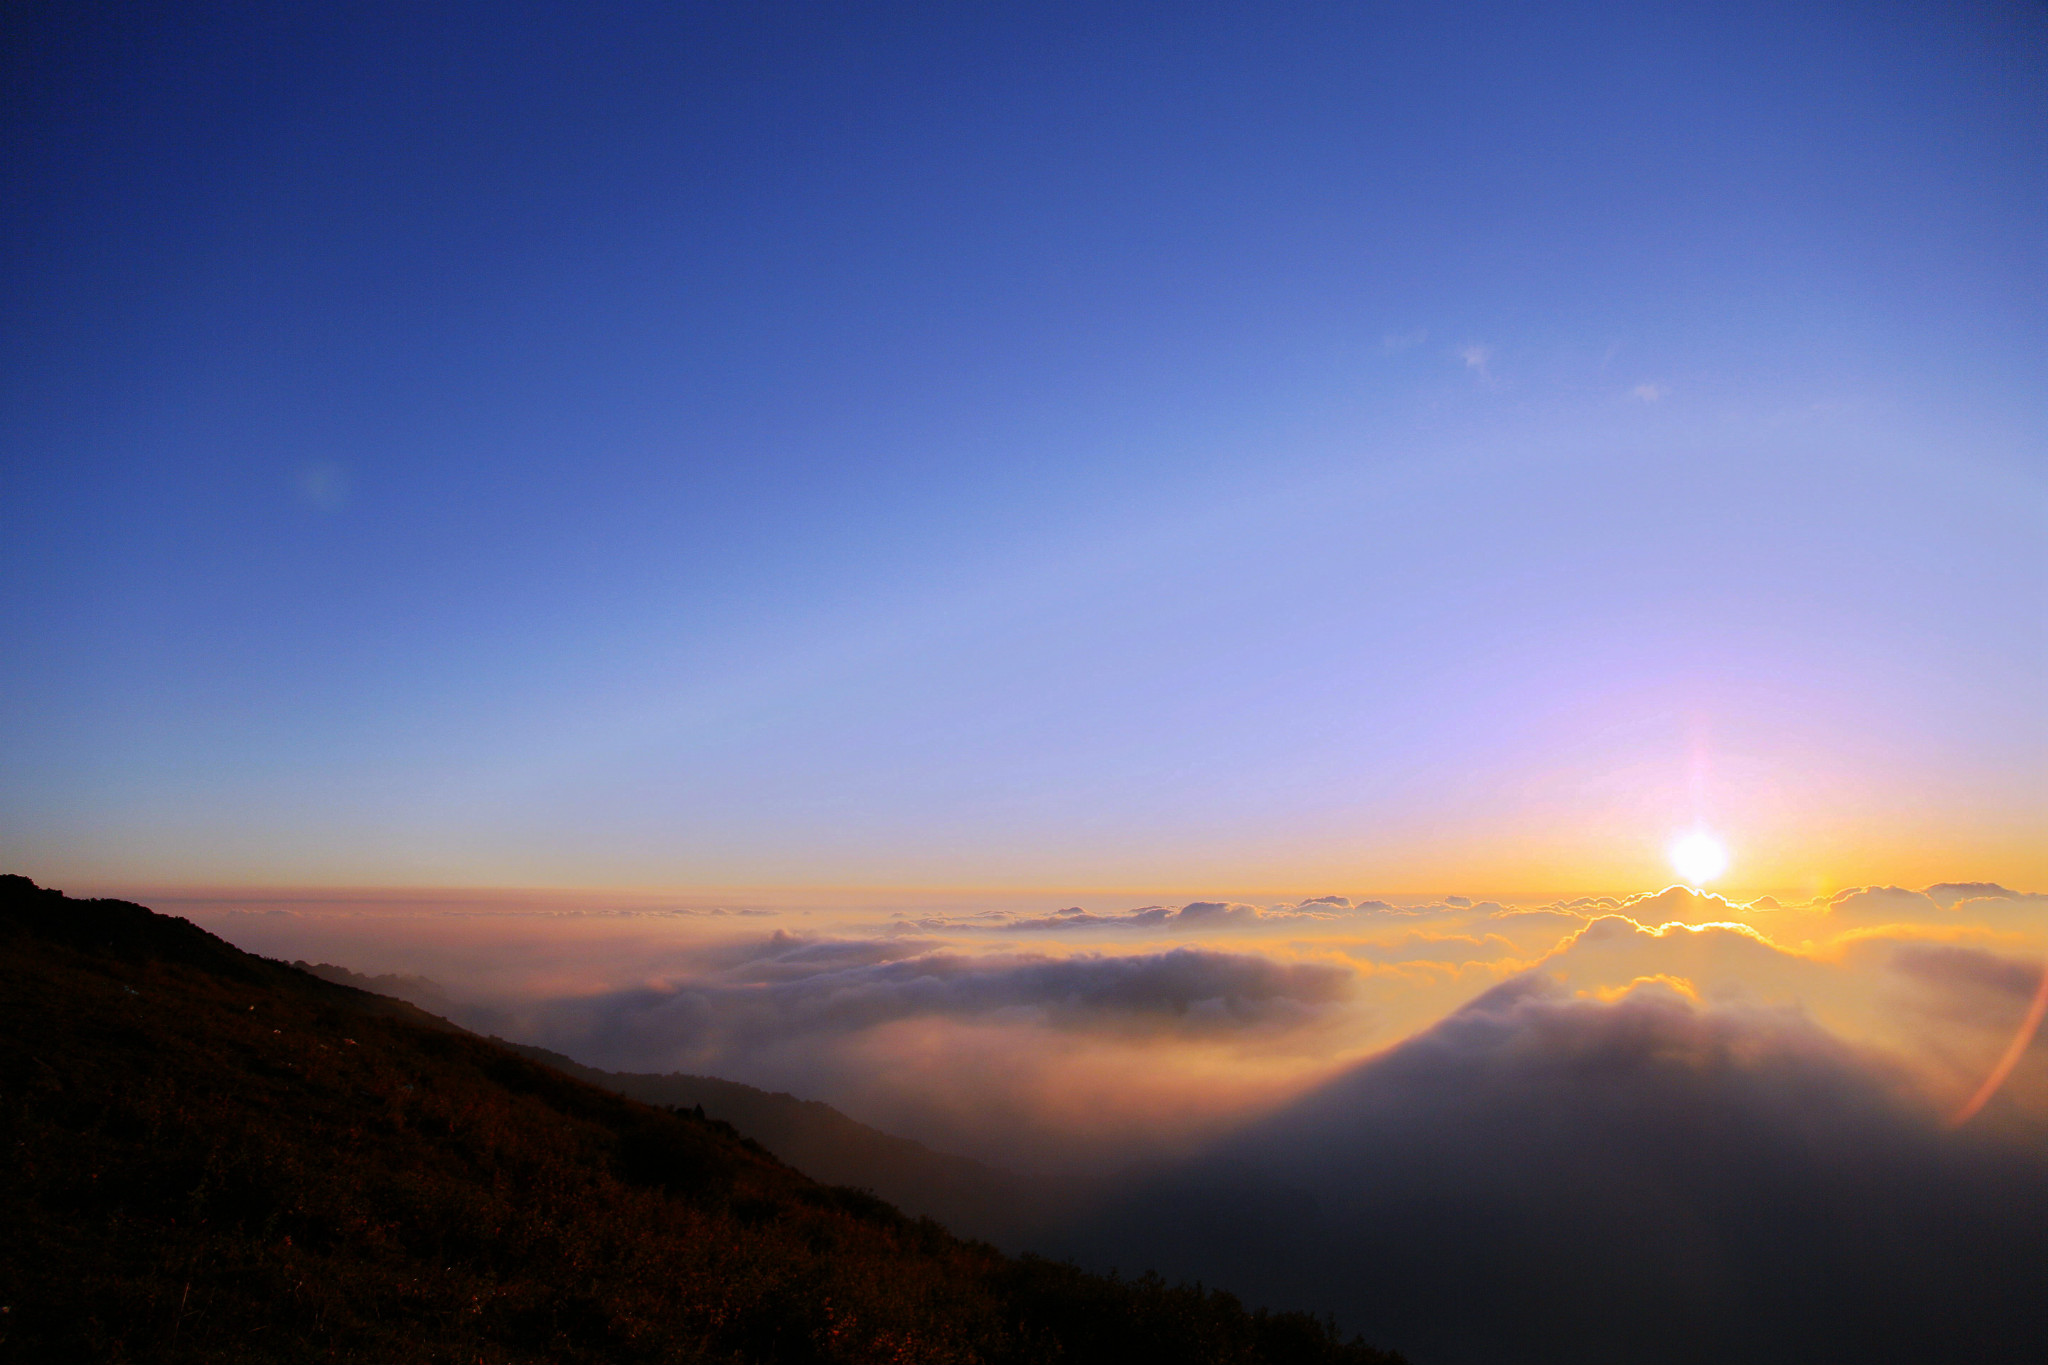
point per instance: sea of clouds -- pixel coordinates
(1056, 1038)
(1668, 1126)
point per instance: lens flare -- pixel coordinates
(1699, 857)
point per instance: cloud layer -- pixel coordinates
(1665, 1126)
(794, 990)
(1005, 1031)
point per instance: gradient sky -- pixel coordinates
(1359, 448)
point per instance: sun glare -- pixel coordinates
(1699, 857)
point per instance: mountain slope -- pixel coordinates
(217, 1157)
(967, 1196)
(819, 1140)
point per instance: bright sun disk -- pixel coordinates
(1699, 857)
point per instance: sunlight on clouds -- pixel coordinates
(1677, 985)
(1087, 1034)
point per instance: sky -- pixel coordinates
(1129, 450)
(1140, 593)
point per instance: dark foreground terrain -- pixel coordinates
(215, 1157)
(980, 1201)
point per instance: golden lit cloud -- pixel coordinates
(1092, 1028)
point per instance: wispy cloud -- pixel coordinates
(1208, 916)
(324, 486)
(1194, 915)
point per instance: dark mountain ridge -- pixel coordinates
(217, 1157)
(967, 1196)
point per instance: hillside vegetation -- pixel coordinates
(968, 1197)
(215, 1157)
(981, 1201)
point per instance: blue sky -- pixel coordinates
(1029, 446)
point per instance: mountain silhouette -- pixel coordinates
(969, 1197)
(217, 1157)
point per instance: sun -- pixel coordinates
(1698, 857)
